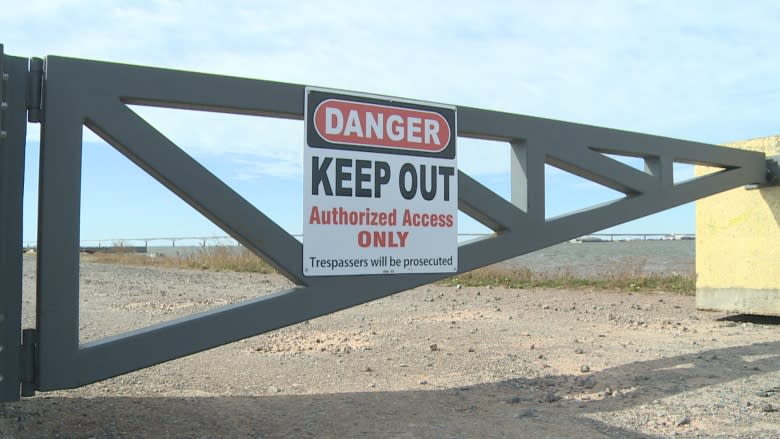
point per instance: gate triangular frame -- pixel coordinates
(95, 94)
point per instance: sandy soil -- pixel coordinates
(436, 361)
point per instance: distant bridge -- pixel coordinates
(604, 237)
(134, 244)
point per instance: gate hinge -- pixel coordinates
(3, 103)
(35, 90)
(772, 174)
(27, 360)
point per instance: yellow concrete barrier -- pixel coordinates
(738, 244)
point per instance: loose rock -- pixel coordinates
(528, 413)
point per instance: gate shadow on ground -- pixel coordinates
(753, 319)
(519, 407)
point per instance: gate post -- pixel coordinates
(13, 130)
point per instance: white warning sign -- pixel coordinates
(380, 185)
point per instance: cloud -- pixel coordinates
(202, 132)
(249, 169)
(699, 70)
(693, 70)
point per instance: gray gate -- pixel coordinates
(65, 94)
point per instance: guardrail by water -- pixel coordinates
(207, 241)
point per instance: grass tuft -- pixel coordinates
(217, 258)
(626, 275)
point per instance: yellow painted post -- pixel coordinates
(738, 244)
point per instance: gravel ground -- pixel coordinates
(436, 361)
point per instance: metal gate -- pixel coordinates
(65, 94)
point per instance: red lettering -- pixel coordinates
(381, 126)
(412, 219)
(382, 238)
(364, 239)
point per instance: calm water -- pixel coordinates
(595, 259)
(591, 259)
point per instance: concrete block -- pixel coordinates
(738, 244)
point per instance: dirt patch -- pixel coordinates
(430, 362)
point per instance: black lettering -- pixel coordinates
(428, 193)
(342, 176)
(381, 176)
(362, 177)
(447, 172)
(407, 168)
(320, 175)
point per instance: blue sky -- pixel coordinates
(696, 70)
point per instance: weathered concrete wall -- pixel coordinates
(738, 245)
